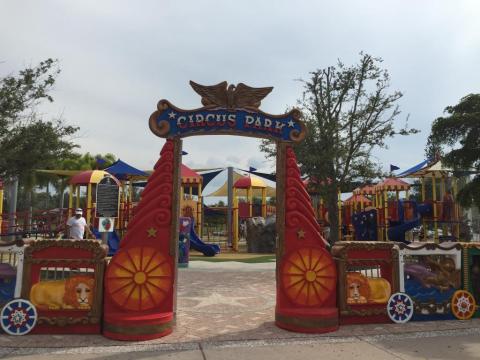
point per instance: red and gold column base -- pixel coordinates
(315, 321)
(138, 328)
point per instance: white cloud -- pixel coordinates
(118, 58)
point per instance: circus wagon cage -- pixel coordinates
(471, 277)
(430, 282)
(367, 276)
(63, 279)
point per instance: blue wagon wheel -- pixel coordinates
(18, 317)
(400, 308)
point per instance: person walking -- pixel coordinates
(77, 225)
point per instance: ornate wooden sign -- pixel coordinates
(141, 278)
(232, 110)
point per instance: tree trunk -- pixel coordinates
(332, 207)
(28, 225)
(12, 202)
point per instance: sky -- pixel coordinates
(119, 58)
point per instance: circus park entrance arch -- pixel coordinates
(140, 282)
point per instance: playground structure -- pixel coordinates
(60, 285)
(377, 212)
(191, 196)
(244, 210)
(81, 194)
(245, 193)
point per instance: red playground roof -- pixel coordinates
(392, 184)
(358, 199)
(90, 177)
(189, 176)
(249, 182)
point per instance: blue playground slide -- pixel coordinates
(396, 231)
(113, 241)
(197, 244)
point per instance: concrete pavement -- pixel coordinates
(225, 311)
(457, 344)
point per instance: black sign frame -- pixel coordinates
(107, 198)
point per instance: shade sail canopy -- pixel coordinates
(356, 198)
(247, 182)
(123, 171)
(271, 177)
(222, 191)
(392, 184)
(209, 176)
(426, 168)
(90, 177)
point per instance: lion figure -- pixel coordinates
(72, 293)
(363, 290)
(358, 290)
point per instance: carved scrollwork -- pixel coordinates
(63, 321)
(99, 252)
(165, 189)
(298, 135)
(430, 246)
(365, 312)
(161, 128)
(165, 167)
(163, 217)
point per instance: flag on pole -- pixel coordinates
(393, 168)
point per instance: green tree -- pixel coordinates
(75, 161)
(457, 137)
(348, 111)
(27, 142)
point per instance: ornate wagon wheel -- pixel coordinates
(139, 278)
(18, 317)
(309, 276)
(463, 305)
(400, 308)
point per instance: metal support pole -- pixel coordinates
(435, 212)
(230, 205)
(12, 208)
(424, 223)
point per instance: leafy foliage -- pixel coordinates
(27, 142)
(457, 137)
(348, 111)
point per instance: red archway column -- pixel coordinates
(306, 272)
(140, 279)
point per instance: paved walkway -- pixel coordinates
(228, 308)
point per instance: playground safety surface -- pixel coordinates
(230, 303)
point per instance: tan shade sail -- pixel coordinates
(223, 190)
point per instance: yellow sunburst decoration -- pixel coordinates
(139, 278)
(308, 276)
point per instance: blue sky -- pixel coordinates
(118, 58)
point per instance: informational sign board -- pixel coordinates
(106, 224)
(108, 193)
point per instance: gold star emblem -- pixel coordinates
(152, 232)
(301, 234)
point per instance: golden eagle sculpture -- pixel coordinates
(231, 96)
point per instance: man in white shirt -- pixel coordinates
(77, 225)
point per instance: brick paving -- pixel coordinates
(226, 302)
